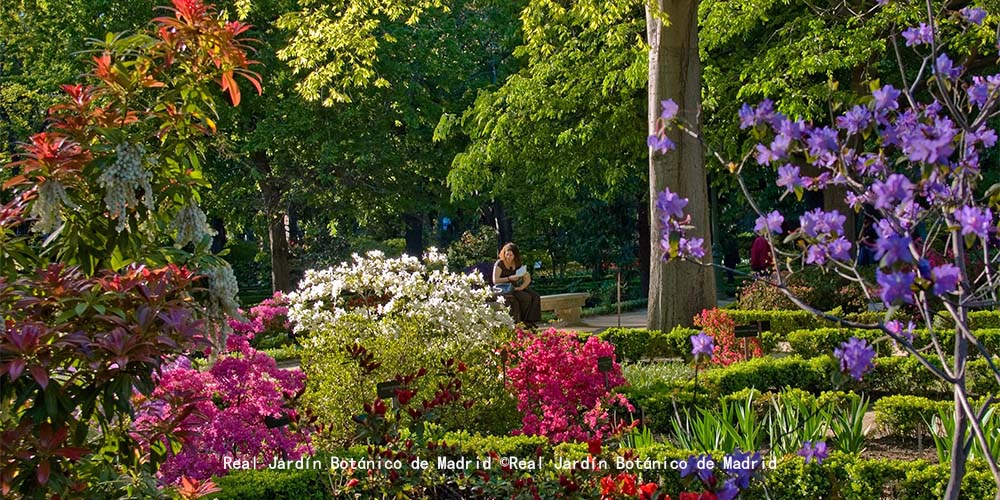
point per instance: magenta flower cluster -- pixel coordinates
(560, 390)
(271, 316)
(240, 409)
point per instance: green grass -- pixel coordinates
(645, 375)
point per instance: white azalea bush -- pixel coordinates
(407, 314)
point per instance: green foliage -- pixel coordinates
(267, 484)
(472, 248)
(819, 341)
(904, 415)
(646, 375)
(338, 388)
(813, 375)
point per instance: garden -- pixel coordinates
(237, 245)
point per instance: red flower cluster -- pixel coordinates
(728, 349)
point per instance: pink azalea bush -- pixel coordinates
(240, 408)
(267, 319)
(559, 390)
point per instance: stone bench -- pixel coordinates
(567, 306)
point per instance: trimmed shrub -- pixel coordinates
(903, 415)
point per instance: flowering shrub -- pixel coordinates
(560, 391)
(452, 307)
(912, 165)
(267, 323)
(241, 408)
(111, 184)
(60, 339)
(407, 314)
(728, 349)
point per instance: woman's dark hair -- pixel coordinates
(513, 248)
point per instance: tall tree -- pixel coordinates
(677, 290)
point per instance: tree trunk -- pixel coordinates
(505, 227)
(220, 239)
(281, 269)
(414, 235)
(274, 213)
(677, 290)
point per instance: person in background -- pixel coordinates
(760, 256)
(525, 304)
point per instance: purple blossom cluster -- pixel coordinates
(816, 450)
(855, 357)
(742, 467)
(702, 344)
(674, 225)
(824, 233)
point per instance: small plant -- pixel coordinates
(728, 350)
(848, 426)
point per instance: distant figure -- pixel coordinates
(525, 304)
(760, 256)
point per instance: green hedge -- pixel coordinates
(903, 415)
(840, 476)
(635, 344)
(813, 375)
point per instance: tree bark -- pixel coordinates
(274, 213)
(677, 290)
(414, 235)
(504, 225)
(643, 248)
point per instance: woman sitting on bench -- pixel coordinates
(525, 304)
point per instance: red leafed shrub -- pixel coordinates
(71, 351)
(559, 389)
(728, 349)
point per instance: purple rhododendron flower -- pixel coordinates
(818, 451)
(770, 222)
(855, 357)
(946, 277)
(816, 254)
(729, 491)
(886, 98)
(895, 286)
(670, 109)
(929, 144)
(791, 129)
(840, 249)
(890, 192)
(661, 144)
(896, 327)
(974, 220)
(893, 248)
(746, 116)
(788, 177)
(694, 247)
(671, 203)
(702, 344)
(917, 36)
(974, 15)
(978, 92)
(944, 66)
(817, 222)
(855, 120)
(822, 140)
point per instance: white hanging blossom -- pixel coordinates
(222, 289)
(191, 225)
(123, 178)
(48, 205)
(453, 307)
